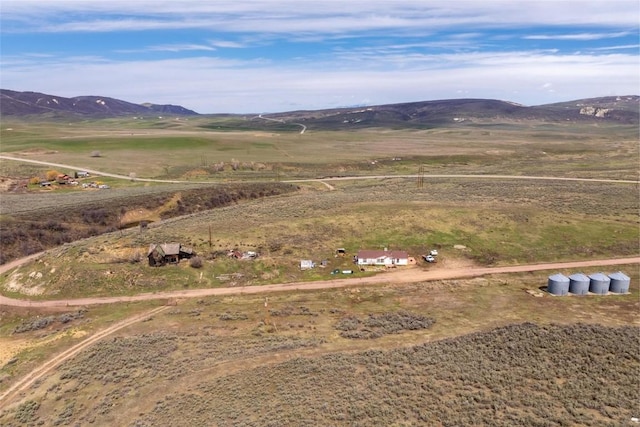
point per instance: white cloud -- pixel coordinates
(226, 44)
(621, 47)
(210, 85)
(326, 17)
(436, 50)
(180, 48)
(578, 36)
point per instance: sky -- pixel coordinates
(262, 56)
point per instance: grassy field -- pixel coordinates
(195, 148)
(491, 351)
(498, 223)
(496, 350)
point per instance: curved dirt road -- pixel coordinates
(18, 262)
(51, 364)
(304, 127)
(92, 171)
(409, 275)
(335, 178)
(399, 276)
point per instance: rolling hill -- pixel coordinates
(467, 111)
(624, 110)
(14, 103)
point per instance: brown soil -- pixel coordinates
(405, 275)
(51, 364)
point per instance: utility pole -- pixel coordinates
(267, 315)
(421, 176)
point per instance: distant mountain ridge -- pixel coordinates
(620, 109)
(624, 109)
(13, 103)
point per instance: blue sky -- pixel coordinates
(252, 56)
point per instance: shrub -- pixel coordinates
(68, 317)
(34, 324)
(349, 323)
(233, 316)
(377, 325)
(196, 262)
(26, 412)
(95, 216)
(135, 258)
(38, 323)
(55, 226)
(51, 175)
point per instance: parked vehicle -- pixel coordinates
(429, 258)
(434, 252)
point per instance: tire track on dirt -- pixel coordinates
(412, 275)
(406, 276)
(337, 178)
(45, 368)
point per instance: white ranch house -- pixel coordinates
(382, 257)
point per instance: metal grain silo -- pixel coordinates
(558, 284)
(599, 283)
(619, 283)
(579, 284)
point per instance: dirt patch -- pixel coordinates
(29, 285)
(10, 348)
(44, 369)
(410, 274)
(455, 262)
(137, 215)
(6, 184)
(12, 185)
(35, 152)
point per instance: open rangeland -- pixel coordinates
(490, 350)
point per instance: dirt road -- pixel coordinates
(18, 262)
(304, 127)
(398, 276)
(51, 364)
(409, 275)
(91, 171)
(339, 178)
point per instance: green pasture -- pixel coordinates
(492, 220)
(170, 148)
(498, 221)
(471, 221)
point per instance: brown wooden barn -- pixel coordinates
(167, 253)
